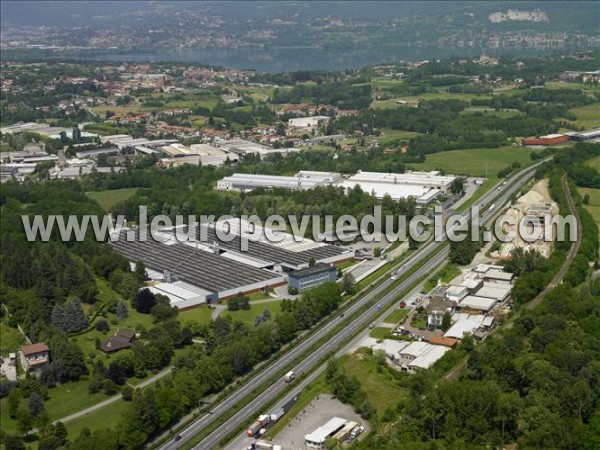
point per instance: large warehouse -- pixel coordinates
(423, 186)
(283, 254)
(303, 180)
(193, 273)
(195, 276)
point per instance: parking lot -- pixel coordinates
(317, 413)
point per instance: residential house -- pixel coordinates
(34, 356)
(121, 340)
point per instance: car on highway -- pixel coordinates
(342, 315)
(177, 438)
(371, 326)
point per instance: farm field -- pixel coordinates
(107, 199)
(588, 116)
(476, 162)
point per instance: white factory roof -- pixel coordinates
(307, 121)
(429, 178)
(415, 349)
(551, 136)
(475, 302)
(461, 327)
(428, 358)
(494, 290)
(389, 346)
(483, 268)
(302, 180)
(418, 185)
(589, 132)
(180, 293)
(499, 275)
(455, 290)
(244, 258)
(323, 432)
(470, 283)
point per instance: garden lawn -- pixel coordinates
(63, 400)
(476, 162)
(108, 417)
(107, 199)
(196, 315)
(396, 316)
(248, 316)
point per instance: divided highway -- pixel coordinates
(429, 258)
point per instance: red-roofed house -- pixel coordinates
(34, 356)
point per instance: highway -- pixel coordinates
(426, 256)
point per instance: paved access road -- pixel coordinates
(426, 256)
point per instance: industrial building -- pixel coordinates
(420, 355)
(283, 253)
(243, 148)
(474, 302)
(336, 428)
(422, 186)
(93, 154)
(550, 139)
(307, 122)
(192, 273)
(206, 276)
(585, 136)
(303, 180)
(311, 277)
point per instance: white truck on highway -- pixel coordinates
(289, 376)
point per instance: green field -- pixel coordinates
(62, 401)
(108, 199)
(446, 274)
(477, 162)
(10, 339)
(595, 163)
(382, 384)
(195, 315)
(388, 135)
(108, 417)
(248, 316)
(396, 316)
(588, 116)
(594, 205)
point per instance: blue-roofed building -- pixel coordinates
(311, 277)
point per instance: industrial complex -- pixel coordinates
(422, 186)
(210, 269)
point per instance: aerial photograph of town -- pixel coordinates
(290, 225)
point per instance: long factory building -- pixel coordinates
(423, 186)
(193, 273)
